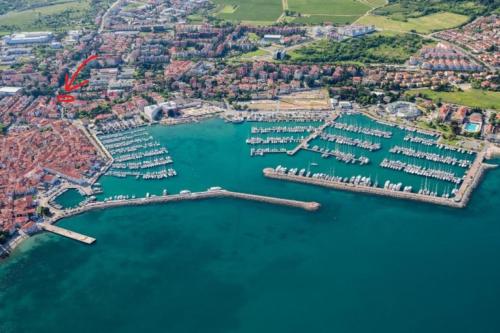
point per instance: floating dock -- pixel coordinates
(67, 233)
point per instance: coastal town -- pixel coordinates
(156, 67)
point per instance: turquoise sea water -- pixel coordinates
(360, 264)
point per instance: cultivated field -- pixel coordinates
(328, 7)
(249, 10)
(310, 11)
(424, 24)
(472, 98)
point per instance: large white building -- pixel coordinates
(156, 111)
(39, 37)
(9, 91)
(355, 30)
(403, 109)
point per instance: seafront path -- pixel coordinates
(191, 196)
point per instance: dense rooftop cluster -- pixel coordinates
(33, 156)
(482, 37)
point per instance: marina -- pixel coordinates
(140, 155)
(136, 154)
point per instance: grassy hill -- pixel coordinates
(424, 24)
(472, 97)
(368, 49)
(54, 16)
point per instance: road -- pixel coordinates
(105, 15)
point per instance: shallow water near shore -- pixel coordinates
(360, 264)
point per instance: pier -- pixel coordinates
(312, 136)
(67, 233)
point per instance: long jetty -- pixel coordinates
(219, 193)
(67, 233)
(459, 201)
(216, 193)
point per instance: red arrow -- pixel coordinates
(68, 83)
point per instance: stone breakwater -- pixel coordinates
(219, 193)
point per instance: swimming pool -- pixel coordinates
(472, 127)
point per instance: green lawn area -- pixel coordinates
(424, 24)
(53, 17)
(368, 49)
(472, 98)
(250, 55)
(375, 3)
(257, 11)
(334, 11)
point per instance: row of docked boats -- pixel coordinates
(264, 151)
(360, 180)
(123, 136)
(129, 142)
(417, 130)
(140, 155)
(340, 155)
(273, 140)
(361, 130)
(406, 151)
(119, 125)
(144, 164)
(368, 145)
(134, 148)
(420, 170)
(151, 175)
(282, 129)
(418, 139)
(432, 142)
